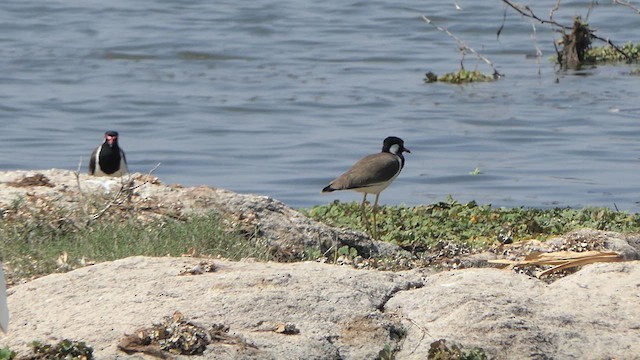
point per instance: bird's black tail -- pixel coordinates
(328, 189)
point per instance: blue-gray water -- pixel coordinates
(279, 97)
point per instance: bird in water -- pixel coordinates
(372, 174)
(108, 159)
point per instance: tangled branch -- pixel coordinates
(463, 47)
(525, 10)
(122, 195)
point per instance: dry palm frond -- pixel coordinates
(561, 260)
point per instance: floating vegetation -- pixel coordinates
(460, 77)
(629, 52)
(65, 349)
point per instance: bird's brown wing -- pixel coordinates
(124, 168)
(92, 161)
(370, 170)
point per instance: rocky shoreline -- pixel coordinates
(313, 310)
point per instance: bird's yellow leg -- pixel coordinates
(375, 225)
(365, 219)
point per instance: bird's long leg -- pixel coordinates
(365, 219)
(375, 225)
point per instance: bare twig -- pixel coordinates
(593, 3)
(525, 10)
(504, 19)
(113, 201)
(422, 329)
(84, 208)
(463, 47)
(554, 9)
(77, 174)
(126, 188)
(627, 4)
(154, 169)
(535, 44)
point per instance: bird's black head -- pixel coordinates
(394, 145)
(111, 138)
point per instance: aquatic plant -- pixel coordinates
(460, 77)
(629, 52)
(470, 224)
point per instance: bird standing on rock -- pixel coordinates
(108, 159)
(372, 174)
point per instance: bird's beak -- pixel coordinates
(111, 140)
(407, 150)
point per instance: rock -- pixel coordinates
(591, 314)
(338, 312)
(590, 239)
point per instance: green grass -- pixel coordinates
(422, 227)
(35, 242)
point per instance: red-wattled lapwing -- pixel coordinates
(108, 159)
(373, 173)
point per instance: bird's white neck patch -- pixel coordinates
(394, 148)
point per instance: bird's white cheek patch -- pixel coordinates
(394, 148)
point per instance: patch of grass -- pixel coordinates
(423, 227)
(65, 349)
(439, 350)
(7, 354)
(34, 242)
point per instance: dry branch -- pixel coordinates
(561, 260)
(123, 194)
(463, 47)
(525, 10)
(627, 4)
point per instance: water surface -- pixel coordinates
(279, 97)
